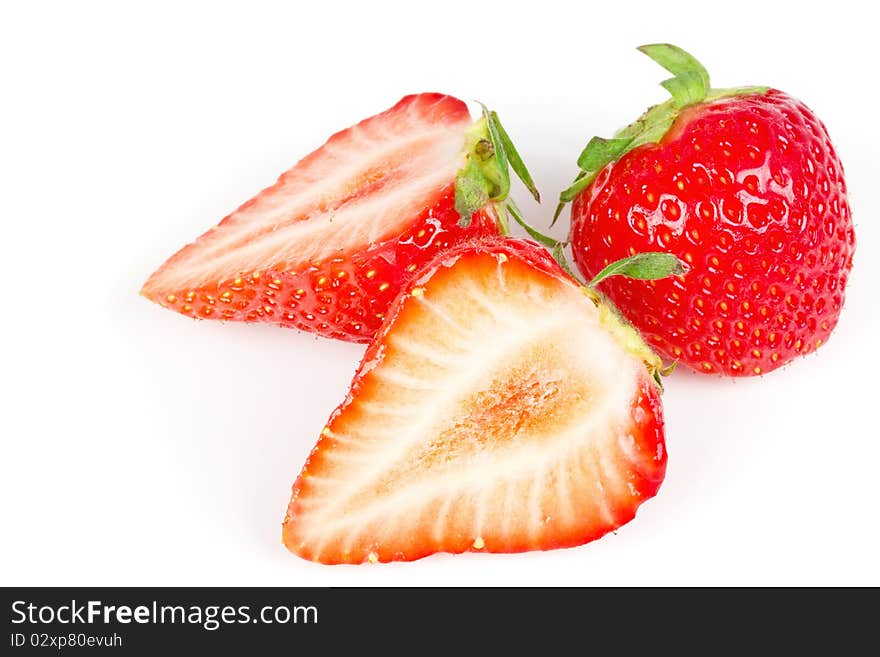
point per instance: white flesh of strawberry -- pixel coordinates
(497, 390)
(319, 209)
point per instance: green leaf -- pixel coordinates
(559, 257)
(533, 233)
(662, 372)
(650, 126)
(686, 89)
(579, 185)
(558, 211)
(516, 163)
(691, 82)
(714, 94)
(654, 131)
(600, 152)
(503, 222)
(677, 61)
(501, 171)
(658, 380)
(643, 266)
(595, 157)
(472, 191)
(485, 177)
(568, 194)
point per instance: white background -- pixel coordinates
(139, 447)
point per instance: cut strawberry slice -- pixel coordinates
(329, 245)
(501, 408)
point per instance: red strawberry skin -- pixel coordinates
(345, 292)
(597, 504)
(749, 192)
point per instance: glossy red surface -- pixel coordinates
(344, 298)
(749, 192)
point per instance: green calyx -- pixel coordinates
(642, 266)
(485, 178)
(689, 85)
(647, 266)
(628, 337)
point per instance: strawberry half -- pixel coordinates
(329, 245)
(745, 186)
(501, 408)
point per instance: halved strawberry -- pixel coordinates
(328, 246)
(501, 408)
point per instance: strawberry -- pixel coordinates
(501, 408)
(744, 186)
(328, 246)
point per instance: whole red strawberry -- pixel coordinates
(744, 186)
(328, 246)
